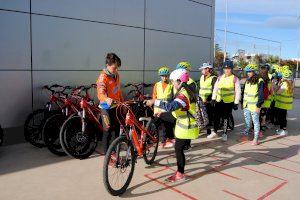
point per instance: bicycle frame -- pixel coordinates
(134, 125)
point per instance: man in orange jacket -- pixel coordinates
(109, 90)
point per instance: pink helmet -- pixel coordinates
(180, 74)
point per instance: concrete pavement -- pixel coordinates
(217, 170)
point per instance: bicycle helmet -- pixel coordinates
(180, 74)
(228, 64)
(184, 65)
(206, 65)
(285, 67)
(164, 71)
(287, 74)
(251, 67)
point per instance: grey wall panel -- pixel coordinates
(168, 49)
(15, 90)
(179, 16)
(14, 40)
(73, 78)
(71, 44)
(208, 2)
(127, 12)
(19, 5)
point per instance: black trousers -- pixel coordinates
(222, 110)
(282, 114)
(180, 157)
(111, 127)
(168, 121)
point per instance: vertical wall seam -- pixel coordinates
(144, 60)
(31, 72)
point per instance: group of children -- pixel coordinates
(267, 94)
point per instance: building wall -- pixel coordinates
(65, 42)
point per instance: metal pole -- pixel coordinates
(298, 56)
(225, 37)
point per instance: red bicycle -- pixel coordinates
(138, 138)
(51, 128)
(80, 132)
(34, 122)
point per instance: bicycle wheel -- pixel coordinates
(51, 131)
(118, 167)
(76, 143)
(150, 146)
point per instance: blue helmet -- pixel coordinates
(228, 64)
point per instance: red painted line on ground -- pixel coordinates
(225, 174)
(272, 191)
(275, 165)
(235, 195)
(170, 187)
(163, 169)
(279, 157)
(262, 173)
(262, 162)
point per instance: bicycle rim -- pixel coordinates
(118, 166)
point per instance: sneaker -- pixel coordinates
(282, 132)
(243, 138)
(254, 142)
(173, 141)
(176, 177)
(212, 135)
(224, 137)
(162, 145)
(169, 144)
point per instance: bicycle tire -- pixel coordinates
(106, 166)
(51, 130)
(150, 125)
(71, 130)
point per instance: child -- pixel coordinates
(253, 99)
(207, 82)
(186, 127)
(162, 90)
(108, 90)
(226, 96)
(263, 73)
(284, 100)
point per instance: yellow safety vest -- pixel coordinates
(251, 96)
(267, 102)
(162, 94)
(226, 89)
(186, 126)
(206, 88)
(285, 99)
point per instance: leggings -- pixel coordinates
(281, 113)
(111, 127)
(180, 157)
(222, 110)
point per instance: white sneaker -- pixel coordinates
(212, 135)
(224, 137)
(282, 132)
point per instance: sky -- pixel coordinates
(276, 20)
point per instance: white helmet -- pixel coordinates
(206, 65)
(180, 74)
